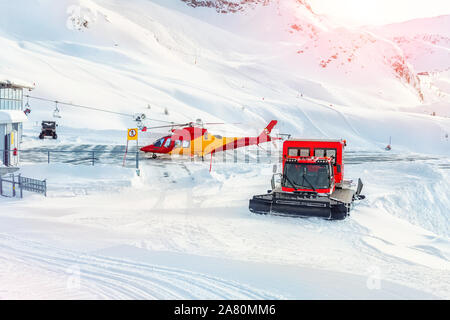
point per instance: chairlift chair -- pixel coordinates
(27, 109)
(199, 122)
(56, 112)
(139, 118)
(139, 125)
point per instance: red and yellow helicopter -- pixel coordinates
(194, 140)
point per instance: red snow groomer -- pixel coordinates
(312, 182)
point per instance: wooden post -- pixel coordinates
(13, 185)
(20, 187)
(210, 163)
(257, 154)
(137, 159)
(125, 155)
(137, 151)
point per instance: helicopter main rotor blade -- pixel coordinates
(170, 126)
(219, 123)
(190, 124)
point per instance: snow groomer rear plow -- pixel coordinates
(311, 183)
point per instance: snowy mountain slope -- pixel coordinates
(321, 44)
(170, 55)
(264, 20)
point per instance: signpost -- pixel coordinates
(132, 135)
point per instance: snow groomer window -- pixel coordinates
(304, 152)
(319, 152)
(331, 153)
(298, 152)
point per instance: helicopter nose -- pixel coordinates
(147, 149)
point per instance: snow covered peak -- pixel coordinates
(439, 25)
(233, 6)
(425, 42)
(226, 6)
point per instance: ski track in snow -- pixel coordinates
(109, 278)
(340, 113)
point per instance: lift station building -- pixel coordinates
(12, 117)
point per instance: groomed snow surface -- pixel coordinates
(180, 231)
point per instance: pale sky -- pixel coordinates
(380, 11)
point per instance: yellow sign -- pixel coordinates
(132, 134)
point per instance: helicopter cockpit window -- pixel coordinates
(159, 142)
(167, 144)
(186, 143)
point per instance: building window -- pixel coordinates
(11, 98)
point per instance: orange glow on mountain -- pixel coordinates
(380, 11)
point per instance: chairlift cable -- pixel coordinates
(90, 108)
